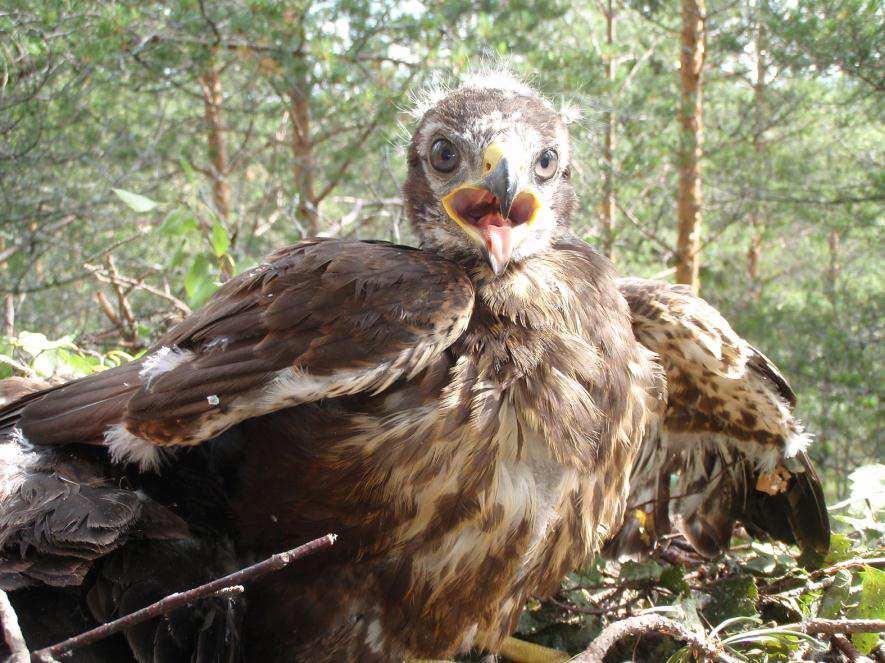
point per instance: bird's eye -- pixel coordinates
(546, 165)
(443, 155)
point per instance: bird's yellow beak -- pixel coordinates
(495, 211)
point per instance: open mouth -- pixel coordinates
(480, 208)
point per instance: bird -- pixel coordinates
(463, 414)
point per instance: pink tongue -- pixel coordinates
(496, 233)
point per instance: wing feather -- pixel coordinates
(320, 319)
(729, 436)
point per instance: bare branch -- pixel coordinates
(791, 581)
(834, 626)
(847, 647)
(48, 231)
(180, 599)
(131, 331)
(643, 624)
(12, 633)
(100, 274)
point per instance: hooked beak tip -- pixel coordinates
(497, 266)
(503, 185)
(497, 247)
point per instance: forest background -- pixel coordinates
(149, 150)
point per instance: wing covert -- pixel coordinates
(728, 436)
(320, 319)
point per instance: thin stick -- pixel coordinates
(100, 274)
(791, 581)
(12, 632)
(834, 626)
(643, 624)
(843, 644)
(179, 599)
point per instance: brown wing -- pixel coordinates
(729, 436)
(320, 319)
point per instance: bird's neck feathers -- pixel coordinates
(555, 287)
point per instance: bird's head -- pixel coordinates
(489, 172)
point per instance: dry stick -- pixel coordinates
(12, 633)
(122, 303)
(100, 274)
(834, 626)
(643, 624)
(180, 599)
(790, 582)
(843, 644)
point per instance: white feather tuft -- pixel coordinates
(17, 459)
(797, 442)
(769, 459)
(124, 447)
(495, 75)
(162, 361)
(570, 112)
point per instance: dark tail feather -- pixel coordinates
(716, 490)
(76, 412)
(796, 516)
(810, 520)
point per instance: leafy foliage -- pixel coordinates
(752, 598)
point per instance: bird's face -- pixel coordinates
(489, 175)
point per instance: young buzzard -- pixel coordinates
(463, 415)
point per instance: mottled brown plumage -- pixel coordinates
(728, 436)
(463, 415)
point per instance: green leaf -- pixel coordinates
(841, 548)
(836, 595)
(220, 240)
(77, 364)
(135, 201)
(734, 597)
(34, 343)
(45, 364)
(681, 656)
(763, 565)
(647, 571)
(199, 282)
(187, 169)
(871, 606)
(868, 485)
(179, 222)
(673, 578)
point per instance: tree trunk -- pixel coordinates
(218, 165)
(607, 211)
(9, 315)
(303, 163)
(827, 388)
(758, 211)
(688, 200)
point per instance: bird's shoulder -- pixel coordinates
(332, 280)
